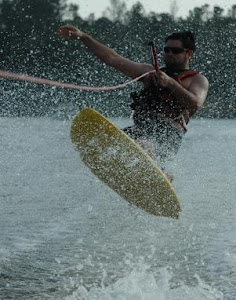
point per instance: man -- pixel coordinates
(169, 98)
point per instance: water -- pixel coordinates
(65, 235)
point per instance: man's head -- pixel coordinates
(178, 50)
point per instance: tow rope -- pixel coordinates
(31, 79)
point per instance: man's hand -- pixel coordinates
(163, 79)
(69, 31)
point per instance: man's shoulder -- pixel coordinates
(199, 82)
(199, 77)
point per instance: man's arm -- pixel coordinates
(105, 54)
(193, 97)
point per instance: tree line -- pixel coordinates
(29, 44)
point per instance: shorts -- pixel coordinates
(158, 137)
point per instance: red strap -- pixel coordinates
(186, 74)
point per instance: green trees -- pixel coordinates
(29, 44)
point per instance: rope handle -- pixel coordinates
(154, 55)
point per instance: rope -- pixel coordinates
(22, 77)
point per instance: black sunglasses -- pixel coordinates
(174, 50)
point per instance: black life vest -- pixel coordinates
(154, 102)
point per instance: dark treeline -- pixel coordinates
(30, 45)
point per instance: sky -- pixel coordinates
(87, 7)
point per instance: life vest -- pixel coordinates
(154, 102)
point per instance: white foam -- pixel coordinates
(142, 284)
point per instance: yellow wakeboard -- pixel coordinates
(122, 164)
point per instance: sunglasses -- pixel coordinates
(174, 50)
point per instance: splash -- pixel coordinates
(142, 284)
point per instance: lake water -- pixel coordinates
(65, 235)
